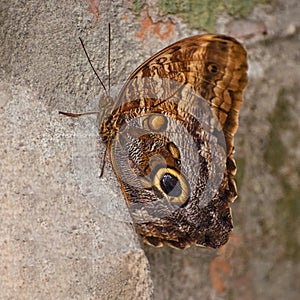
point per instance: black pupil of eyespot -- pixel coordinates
(170, 185)
(213, 68)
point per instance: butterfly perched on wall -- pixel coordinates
(169, 134)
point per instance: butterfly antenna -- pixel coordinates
(75, 115)
(108, 62)
(89, 60)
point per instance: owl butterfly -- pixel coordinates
(170, 134)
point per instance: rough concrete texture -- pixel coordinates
(65, 233)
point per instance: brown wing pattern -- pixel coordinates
(214, 65)
(168, 91)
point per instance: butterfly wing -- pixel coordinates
(170, 137)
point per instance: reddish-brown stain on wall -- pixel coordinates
(163, 30)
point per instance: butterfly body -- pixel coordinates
(170, 134)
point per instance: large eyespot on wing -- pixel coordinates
(156, 160)
(172, 184)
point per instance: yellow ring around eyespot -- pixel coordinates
(185, 190)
